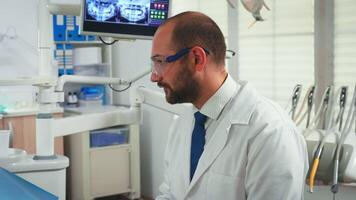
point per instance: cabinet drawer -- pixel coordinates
(109, 170)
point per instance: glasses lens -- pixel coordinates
(157, 65)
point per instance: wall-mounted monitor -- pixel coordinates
(133, 19)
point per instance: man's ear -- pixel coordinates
(200, 58)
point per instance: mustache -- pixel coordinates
(161, 85)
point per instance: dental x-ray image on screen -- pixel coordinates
(123, 17)
(104, 10)
(134, 12)
(128, 11)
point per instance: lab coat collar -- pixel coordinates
(216, 103)
(244, 103)
(242, 106)
(246, 98)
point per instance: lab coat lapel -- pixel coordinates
(212, 150)
(242, 108)
(187, 130)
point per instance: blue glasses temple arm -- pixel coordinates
(178, 55)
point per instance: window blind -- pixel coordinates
(278, 53)
(345, 42)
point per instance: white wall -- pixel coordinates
(18, 56)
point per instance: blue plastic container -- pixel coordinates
(107, 137)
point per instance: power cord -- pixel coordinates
(107, 43)
(233, 53)
(117, 90)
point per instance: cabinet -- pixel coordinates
(76, 54)
(89, 59)
(24, 136)
(103, 171)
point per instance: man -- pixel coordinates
(234, 144)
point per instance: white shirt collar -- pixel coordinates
(215, 104)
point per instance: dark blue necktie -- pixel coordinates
(198, 141)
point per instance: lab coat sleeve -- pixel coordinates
(164, 188)
(277, 164)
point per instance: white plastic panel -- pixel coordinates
(109, 173)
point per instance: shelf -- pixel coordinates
(116, 146)
(93, 65)
(80, 42)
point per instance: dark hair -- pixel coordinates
(196, 29)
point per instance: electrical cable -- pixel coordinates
(317, 117)
(294, 100)
(233, 53)
(314, 167)
(342, 104)
(129, 82)
(309, 97)
(291, 97)
(116, 90)
(345, 131)
(310, 105)
(107, 43)
(332, 128)
(302, 105)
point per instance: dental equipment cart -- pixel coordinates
(104, 170)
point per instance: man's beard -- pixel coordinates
(187, 88)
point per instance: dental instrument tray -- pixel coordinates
(107, 137)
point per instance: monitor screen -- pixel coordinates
(123, 18)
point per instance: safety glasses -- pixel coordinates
(159, 63)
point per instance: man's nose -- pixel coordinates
(155, 77)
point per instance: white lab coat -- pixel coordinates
(256, 153)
